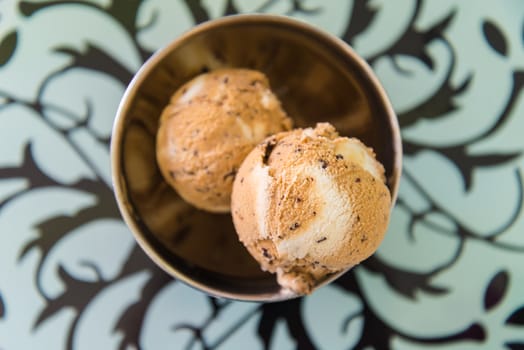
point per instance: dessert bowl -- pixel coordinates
(317, 77)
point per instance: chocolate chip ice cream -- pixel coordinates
(308, 203)
(210, 125)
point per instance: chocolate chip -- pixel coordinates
(232, 173)
(321, 239)
(265, 253)
(323, 163)
(294, 226)
(269, 146)
(358, 218)
(339, 156)
(204, 69)
(298, 199)
(357, 179)
(314, 213)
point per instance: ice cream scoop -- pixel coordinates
(308, 203)
(210, 125)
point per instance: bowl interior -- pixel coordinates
(317, 78)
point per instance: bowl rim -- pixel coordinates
(119, 186)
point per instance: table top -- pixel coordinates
(449, 275)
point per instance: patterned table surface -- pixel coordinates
(450, 274)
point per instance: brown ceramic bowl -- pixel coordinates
(317, 77)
